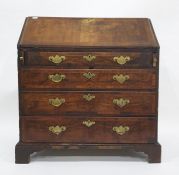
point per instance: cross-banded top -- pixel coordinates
(88, 32)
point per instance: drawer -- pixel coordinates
(90, 59)
(88, 130)
(81, 79)
(84, 103)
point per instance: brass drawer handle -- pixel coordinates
(89, 58)
(56, 77)
(56, 59)
(56, 102)
(121, 102)
(57, 129)
(121, 59)
(88, 97)
(120, 129)
(120, 78)
(88, 123)
(89, 75)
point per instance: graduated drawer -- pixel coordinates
(80, 79)
(90, 59)
(83, 103)
(88, 130)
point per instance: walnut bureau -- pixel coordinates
(88, 84)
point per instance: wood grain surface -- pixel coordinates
(35, 129)
(81, 32)
(37, 103)
(37, 78)
(74, 38)
(103, 60)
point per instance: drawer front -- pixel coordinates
(90, 60)
(84, 103)
(88, 130)
(88, 79)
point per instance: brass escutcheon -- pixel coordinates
(89, 75)
(89, 58)
(88, 97)
(88, 123)
(88, 20)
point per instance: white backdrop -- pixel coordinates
(165, 18)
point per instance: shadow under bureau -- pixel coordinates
(88, 84)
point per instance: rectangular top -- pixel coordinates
(88, 32)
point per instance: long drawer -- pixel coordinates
(90, 59)
(83, 103)
(88, 130)
(80, 79)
